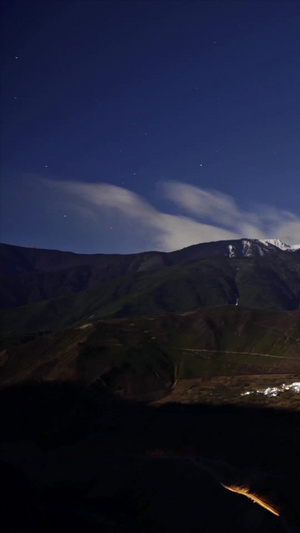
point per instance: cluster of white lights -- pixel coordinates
(274, 391)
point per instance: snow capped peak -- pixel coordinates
(257, 247)
(281, 245)
(276, 242)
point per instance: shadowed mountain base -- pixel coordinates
(80, 458)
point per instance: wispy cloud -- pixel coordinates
(214, 205)
(207, 215)
(262, 221)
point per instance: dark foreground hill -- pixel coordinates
(49, 290)
(77, 458)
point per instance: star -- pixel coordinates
(65, 216)
(16, 57)
(46, 166)
(201, 165)
(15, 98)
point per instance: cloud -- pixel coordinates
(110, 196)
(290, 232)
(260, 223)
(210, 215)
(175, 232)
(214, 205)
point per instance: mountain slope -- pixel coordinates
(146, 355)
(77, 447)
(255, 274)
(259, 282)
(31, 275)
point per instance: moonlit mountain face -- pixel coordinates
(235, 248)
(281, 245)
(259, 274)
(253, 247)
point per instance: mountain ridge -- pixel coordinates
(150, 353)
(46, 290)
(18, 259)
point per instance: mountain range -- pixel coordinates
(140, 392)
(139, 324)
(48, 290)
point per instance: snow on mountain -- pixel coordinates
(281, 245)
(231, 251)
(258, 247)
(276, 242)
(249, 248)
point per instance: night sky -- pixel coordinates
(141, 125)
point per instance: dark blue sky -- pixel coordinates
(191, 105)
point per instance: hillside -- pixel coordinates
(149, 321)
(146, 356)
(60, 289)
(31, 275)
(132, 384)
